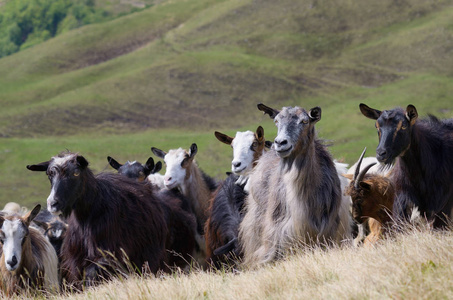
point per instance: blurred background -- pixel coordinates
(114, 78)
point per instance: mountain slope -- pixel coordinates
(171, 74)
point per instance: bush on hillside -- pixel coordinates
(24, 23)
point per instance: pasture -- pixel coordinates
(172, 73)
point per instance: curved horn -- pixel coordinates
(359, 162)
(362, 174)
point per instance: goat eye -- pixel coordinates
(305, 121)
(403, 127)
(76, 173)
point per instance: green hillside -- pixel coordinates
(171, 74)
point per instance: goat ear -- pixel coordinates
(42, 167)
(148, 166)
(113, 163)
(223, 138)
(259, 133)
(365, 185)
(32, 214)
(315, 114)
(411, 114)
(188, 159)
(348, 176)
(193, 150)
(267, 110)
(157, 167)
(369, 112)
(82, 162)
(159, 153)
(268, 144)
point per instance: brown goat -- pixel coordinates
(372, 198)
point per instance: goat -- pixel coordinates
(134, 169)
(372, 201)
(183, 173)
(111, 220)
(182, 228)
(28, 259)
(247, 148)
(226, 208)
(295, 196)
(423, 169)
(53, 227)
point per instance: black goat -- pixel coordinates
(105, 213)
(422, 152)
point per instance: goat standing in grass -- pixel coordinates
(372, 201)
(28, 259)
(295, 196)
(226, 208)
(105, 213)
(184, 174)
(422, 153)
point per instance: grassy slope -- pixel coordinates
(120, 87)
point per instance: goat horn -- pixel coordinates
(362, 174)
(359, 162)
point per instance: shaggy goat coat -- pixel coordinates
(295, 199)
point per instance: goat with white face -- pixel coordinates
(183, 173)
(28, 259)
(247, 148)
(226, 209)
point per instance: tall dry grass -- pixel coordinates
(417, 264)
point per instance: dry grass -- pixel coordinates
(417, 264)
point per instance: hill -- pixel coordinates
(171, 74)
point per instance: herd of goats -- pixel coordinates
(280, 195)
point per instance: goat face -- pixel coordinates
(64, 173)
(394, 130)
(362, 203)
(56, 231)
(295, 127)
(13, 233)
(135, 170)
(178, 163)
(247, 148)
